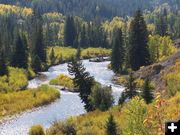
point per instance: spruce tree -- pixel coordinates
(78, 53)
(130, 90)
(147, 94)
(117, 55)
(82, 80)
(83, 37)
(36, 63)
(138, 47)
(122, 98)
(69, 31)
(39, 47)
(52, 56)
(161, 25)
(111, 126)
(20, 57)
(3, 66)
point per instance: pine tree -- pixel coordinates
(69, 32)
(36, 63)
(78, 53)
(130, 90)
(3, 66)
(147, 94)
(161, 25)
(111, 126)
(138, 47)
(52, 56)
(39, 47)
(122, 98)
(82, 80)
(83, 37)
(117, 56)
(20, 57)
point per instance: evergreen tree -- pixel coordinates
(36, 63)
(161, 25)
(138, 47)
(69, 32)
(117, 55)
(130, 90)
(78, 53)
(83, 37)
(3, 66)
(52, 56)
(20, 57)
(39, 45)
(111, 126)
(122, 98)
(82, 80)
(147, 91)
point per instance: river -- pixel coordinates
(68, 105)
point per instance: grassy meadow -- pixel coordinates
(16, 102)
(63, 54)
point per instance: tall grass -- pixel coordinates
(63, 54)
(15, 102)
(16, 80)
(63, 80)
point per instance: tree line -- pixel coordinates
(88, 10)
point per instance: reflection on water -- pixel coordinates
(68, 105)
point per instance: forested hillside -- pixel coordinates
(89, 9)
(115, 60)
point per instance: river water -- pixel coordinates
(68, 105)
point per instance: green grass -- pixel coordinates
(64, 54)
(16, 102)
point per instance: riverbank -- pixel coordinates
(135, 114)
(17, 102)
(67, 106)
(64, 54)
(164, 75)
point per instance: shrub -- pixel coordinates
(135, 113)
(36, 130)
(101, 97)
(172, 79)
(95, 52)
(63, 128)
(15, 81)
(173, 83)
(63, 80)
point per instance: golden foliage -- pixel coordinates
(160, 47)
(15, 10)
(63, 80)
(15, 102)
(134, 117)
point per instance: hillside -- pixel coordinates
(159, 72)
(89, 9)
